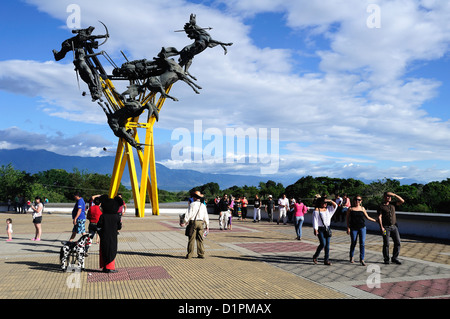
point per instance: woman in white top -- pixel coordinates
(321, 221)
(37, 208)
(198, 215)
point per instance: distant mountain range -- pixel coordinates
(168, 179)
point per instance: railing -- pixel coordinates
(426, 225)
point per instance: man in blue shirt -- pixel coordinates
(78, 216)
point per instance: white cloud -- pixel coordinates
(82, 144)
(361, 108)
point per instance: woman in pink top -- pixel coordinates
(300, 210)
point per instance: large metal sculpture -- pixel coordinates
(147, 79)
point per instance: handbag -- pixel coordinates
(190, 227)
(327, 233)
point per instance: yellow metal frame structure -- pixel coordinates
(125, 153)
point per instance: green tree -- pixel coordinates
(56, 180)
(271, 188)
(305, 188)
(14, 182)
(38, 190)
(437, 196)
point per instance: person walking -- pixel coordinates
(338, 200)
(321, 222)
(196, 217)
(108, 226)
(223, 215)
(93, 216)
(9, 229)
(344, 207)
(244, 203)
(283, 206)
(300, 210)
(230, 211)
(388, 226)
(37, 218)
(270, 206)
(78, 216)
(256, 209)
(356, 227)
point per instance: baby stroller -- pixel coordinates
(72, 254)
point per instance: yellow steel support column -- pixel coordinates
(145, 174)
(117, 170)
(154, 193)
(125, 155)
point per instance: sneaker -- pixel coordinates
(396, 261)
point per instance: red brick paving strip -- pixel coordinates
(411, 289)
(133, 273)
(278, 247)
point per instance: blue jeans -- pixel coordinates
(298, 225)
(354, 234)
(323, 243)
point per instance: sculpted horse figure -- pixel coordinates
(173, 73)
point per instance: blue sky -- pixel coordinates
(348, 100)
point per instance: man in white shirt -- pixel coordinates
(198, 216)
(283, 206)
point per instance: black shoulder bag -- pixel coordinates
(191, 225)
(327, 233)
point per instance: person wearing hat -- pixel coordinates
(270, 205)
(198, 215)
(108, 226)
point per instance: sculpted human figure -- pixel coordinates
(173, 73)
(83, 39)
(202, 40)
(131, 109)
(155, 75)
(86, 74)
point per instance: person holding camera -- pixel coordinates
(325, 209)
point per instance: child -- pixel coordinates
(9, 229)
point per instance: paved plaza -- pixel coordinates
(252, 262)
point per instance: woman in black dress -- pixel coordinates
(109, 224)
